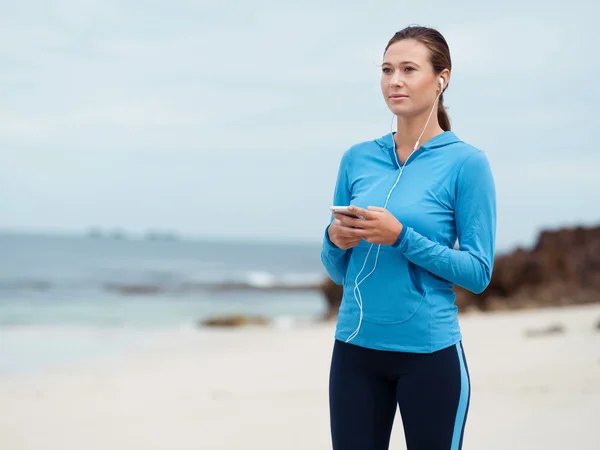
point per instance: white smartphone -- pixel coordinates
(344, 210)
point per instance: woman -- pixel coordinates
(418, 191)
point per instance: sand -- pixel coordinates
(261, 388)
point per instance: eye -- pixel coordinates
(386, 70)
(409, 69)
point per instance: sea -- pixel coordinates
(64, 298)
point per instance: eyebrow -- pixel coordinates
(401, 63)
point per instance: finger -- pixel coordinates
(376, 208)
(350, 221)
(350, 242)
(337, 223)
(351, 233)
(339, 217)
(362, 212)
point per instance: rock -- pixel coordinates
(134, 289)
(551, 329)
(234, 320)
(333, 296)
(562, 268)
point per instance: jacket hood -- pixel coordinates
(386, 143)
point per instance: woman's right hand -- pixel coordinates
(341, 235)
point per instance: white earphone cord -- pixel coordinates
(356, 282)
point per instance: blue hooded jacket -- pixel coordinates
(445, 193)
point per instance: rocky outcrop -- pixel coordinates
(333, 297)
(234, 320)
(563, 268)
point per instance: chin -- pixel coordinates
(400, 111)
(404, 110)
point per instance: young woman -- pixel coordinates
(417, 191)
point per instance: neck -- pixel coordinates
(409, 130)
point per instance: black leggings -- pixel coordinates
(431, 389)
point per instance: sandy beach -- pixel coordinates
(266, 388)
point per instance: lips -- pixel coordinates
(398, 96)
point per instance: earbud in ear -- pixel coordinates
(442, 83)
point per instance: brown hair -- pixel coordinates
(439, 57)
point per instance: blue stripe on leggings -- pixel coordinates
(463, 402)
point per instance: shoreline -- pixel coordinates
(106, 343)
(264, 387)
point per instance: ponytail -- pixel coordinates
(442, 115)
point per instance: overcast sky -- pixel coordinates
(230, 120)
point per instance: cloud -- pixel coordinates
(188, 107)
(505, 46)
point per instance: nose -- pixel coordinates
(396, 78)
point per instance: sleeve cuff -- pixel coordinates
(400, 237)
(327, 241)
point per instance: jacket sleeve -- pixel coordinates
(475, 207)
(335, 259)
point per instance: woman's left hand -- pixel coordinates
(378, 225)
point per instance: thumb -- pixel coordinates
(376, 208)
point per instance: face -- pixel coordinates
(408, 82)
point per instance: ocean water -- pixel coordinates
(63, 298)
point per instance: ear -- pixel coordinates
(445, 74)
